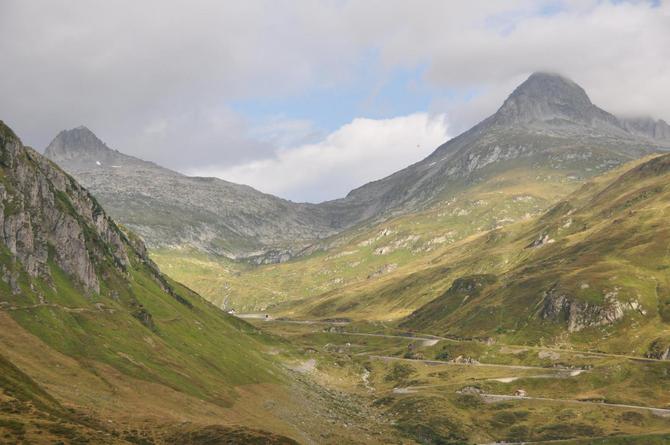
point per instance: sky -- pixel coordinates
(310, 99)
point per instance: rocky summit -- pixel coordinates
(169, 209)
(546, 99)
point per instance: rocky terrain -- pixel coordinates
(546, 121)
(45, 215)
(168, 209)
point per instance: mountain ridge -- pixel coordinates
(547, 119)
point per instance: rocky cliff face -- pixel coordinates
(47, 219)
(648, 127)
(560, 306)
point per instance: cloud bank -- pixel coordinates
(172, 81)
(359, 152)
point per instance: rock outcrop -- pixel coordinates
(648, 127)
(47, 219)
(659, 349)
(560, 306)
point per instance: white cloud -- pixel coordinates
(359, 152)
(157, 79)
(618, 51)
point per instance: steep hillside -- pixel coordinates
(591, 270)
(97, 345)
(547, 122)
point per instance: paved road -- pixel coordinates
(486, 365)
(657, 411)
(564, 350)
(262, 316)
(434, 339)
(430, 340)
(426, 340)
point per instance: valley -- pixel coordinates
(469, 391)
(504, 286)
(583, 375)
(511, 287)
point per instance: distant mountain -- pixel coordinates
(548, 121)
(169, 209)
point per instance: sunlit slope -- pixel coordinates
(370, 253)
(593, 269)
(589, 269)
(93, 334)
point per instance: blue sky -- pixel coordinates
(372, 92)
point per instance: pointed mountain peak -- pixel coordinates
(76, 143)
(551, 98)
(551, 85)
(80, 150)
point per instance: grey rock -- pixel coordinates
(45, 215)
(647, 127)
(560, 306)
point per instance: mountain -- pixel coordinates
(548, 121)
(98, 346)
(591, 270)
(168, 209)
(648, 127)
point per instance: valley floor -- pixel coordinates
(438, 390)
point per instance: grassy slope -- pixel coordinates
(29, 414)
(609, 238)
(368, 255)
(145, 360)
